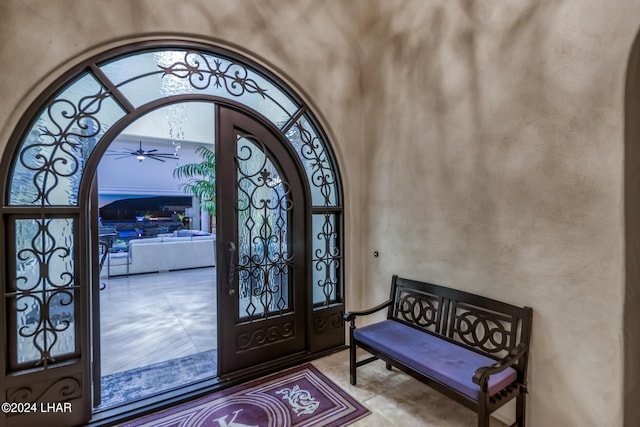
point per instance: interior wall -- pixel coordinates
(501, 121)
(632, 239)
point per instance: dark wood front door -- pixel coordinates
(261, 234)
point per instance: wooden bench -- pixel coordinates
(471, 348)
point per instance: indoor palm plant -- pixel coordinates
(201, 179)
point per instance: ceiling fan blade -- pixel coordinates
(167, 157)
(150, 151)
(155, 158)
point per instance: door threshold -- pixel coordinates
(157, 402)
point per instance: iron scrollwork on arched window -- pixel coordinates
(200, 73)
(188, 72)
(326, 218)
(52, 155)
(321, 174)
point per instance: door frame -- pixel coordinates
(325, 328)
(229, 123)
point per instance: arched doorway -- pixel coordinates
(632, 236)
(268, 142)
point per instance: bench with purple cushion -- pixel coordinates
(472, 348)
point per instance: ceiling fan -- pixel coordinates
(141, 154)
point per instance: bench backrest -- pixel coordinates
(484, 325)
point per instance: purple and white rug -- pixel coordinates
(301, 396)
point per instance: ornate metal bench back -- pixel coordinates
(481, 324)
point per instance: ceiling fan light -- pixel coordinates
(141, 154)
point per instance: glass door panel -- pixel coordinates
(264, 259)
(44, 291)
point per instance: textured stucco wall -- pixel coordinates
(501, 122)
(481, 145)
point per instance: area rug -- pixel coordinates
(301, 396)
(136, 384)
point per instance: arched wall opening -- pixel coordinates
(47, 220)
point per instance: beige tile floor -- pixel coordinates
(396, 399)
(144, 315)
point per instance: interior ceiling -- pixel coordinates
(187, 122)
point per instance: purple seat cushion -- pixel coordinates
(439, 359)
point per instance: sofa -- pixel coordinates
(163, 253)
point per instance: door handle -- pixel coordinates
(105, 253)
(231, 247)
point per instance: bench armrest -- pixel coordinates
(350, 316)
(481, 375)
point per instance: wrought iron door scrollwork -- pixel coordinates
(262, 336)
(263, 206)
(64, 389)
(326, 259)
(46, 315)
(332, 321)
(43, 299)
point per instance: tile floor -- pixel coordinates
(144, 321)
(143, 315)
(395, 399)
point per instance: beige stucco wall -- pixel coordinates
(502, 124)
(481, 146)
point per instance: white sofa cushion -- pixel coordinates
(163, 254)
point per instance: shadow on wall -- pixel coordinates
(632, 240)
(472, 106)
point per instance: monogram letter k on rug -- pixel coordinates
(297, 397)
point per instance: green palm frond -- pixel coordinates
(201, 178)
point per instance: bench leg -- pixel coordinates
(483, 414)
(521, 410)
(483, 420)
(352, 363)
(388, 366)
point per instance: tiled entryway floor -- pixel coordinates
(152, 318)
(396, 399)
